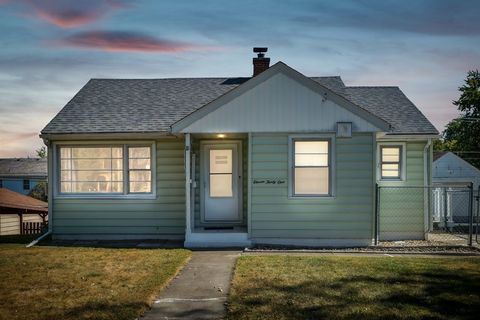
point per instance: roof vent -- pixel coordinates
(260, 63)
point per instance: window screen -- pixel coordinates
(311, 167)
(390, 163)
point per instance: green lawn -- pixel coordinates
(292, 287)
(82, 283)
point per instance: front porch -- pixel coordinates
(216, 190)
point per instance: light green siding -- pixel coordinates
(346, 216)
(163, 217)
(402, 214)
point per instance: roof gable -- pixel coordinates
(280, 97)
(451, 165)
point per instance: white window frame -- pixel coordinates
(332, 167)
(101, 195)
(403, 160)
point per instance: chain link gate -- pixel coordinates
(443, 215)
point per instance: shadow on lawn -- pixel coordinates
(96, 310)
(417, 295)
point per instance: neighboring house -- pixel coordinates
(453, 175)
(22, 174)
(278, 158)
(20, 214)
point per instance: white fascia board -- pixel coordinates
(105, 136)
(385, 136)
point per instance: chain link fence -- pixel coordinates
(443, 215)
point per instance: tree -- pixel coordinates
(462, 134)
(39, 191)
(42, 152)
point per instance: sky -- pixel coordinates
(49, 49)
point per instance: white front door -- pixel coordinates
(221, 181)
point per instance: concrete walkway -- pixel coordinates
(199, 291)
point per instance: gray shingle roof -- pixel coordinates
(153, 105)
(391, 104)
(23, 167)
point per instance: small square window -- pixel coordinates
(390, 166)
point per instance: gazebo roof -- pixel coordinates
(13, 200)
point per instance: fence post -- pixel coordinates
(445, 208)
(377, 210)
(470, 215)
(478, 212)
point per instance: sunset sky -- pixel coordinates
(50, 49)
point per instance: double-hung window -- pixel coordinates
(391, 158)
(106, 169)
(311, 170)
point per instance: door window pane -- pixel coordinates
(221, 185)
(221, 166)
(221, 161)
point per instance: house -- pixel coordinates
(20, 214)
(22, 174)
(452, 177)
(277, 158)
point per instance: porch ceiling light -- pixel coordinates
(221, 135)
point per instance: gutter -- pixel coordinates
(43, 236)
(426, 183)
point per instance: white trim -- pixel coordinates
(403, 161)
(188, 184)
(124, 195)
(332, 167)
(384, 136)
(105, 136)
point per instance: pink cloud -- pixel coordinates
(119, 41)
(68, 13)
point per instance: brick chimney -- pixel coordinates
(260, 63)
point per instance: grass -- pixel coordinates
(290, 287)
(82, 283)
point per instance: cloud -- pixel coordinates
(122, 41)
(432, 17)
(68, 13)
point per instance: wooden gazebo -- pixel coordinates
(13, 203)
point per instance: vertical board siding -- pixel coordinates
(162, 217)
(347, 216)
(402, 209)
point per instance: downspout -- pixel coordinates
(50, 156)
(426, 185)
(43, 236)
